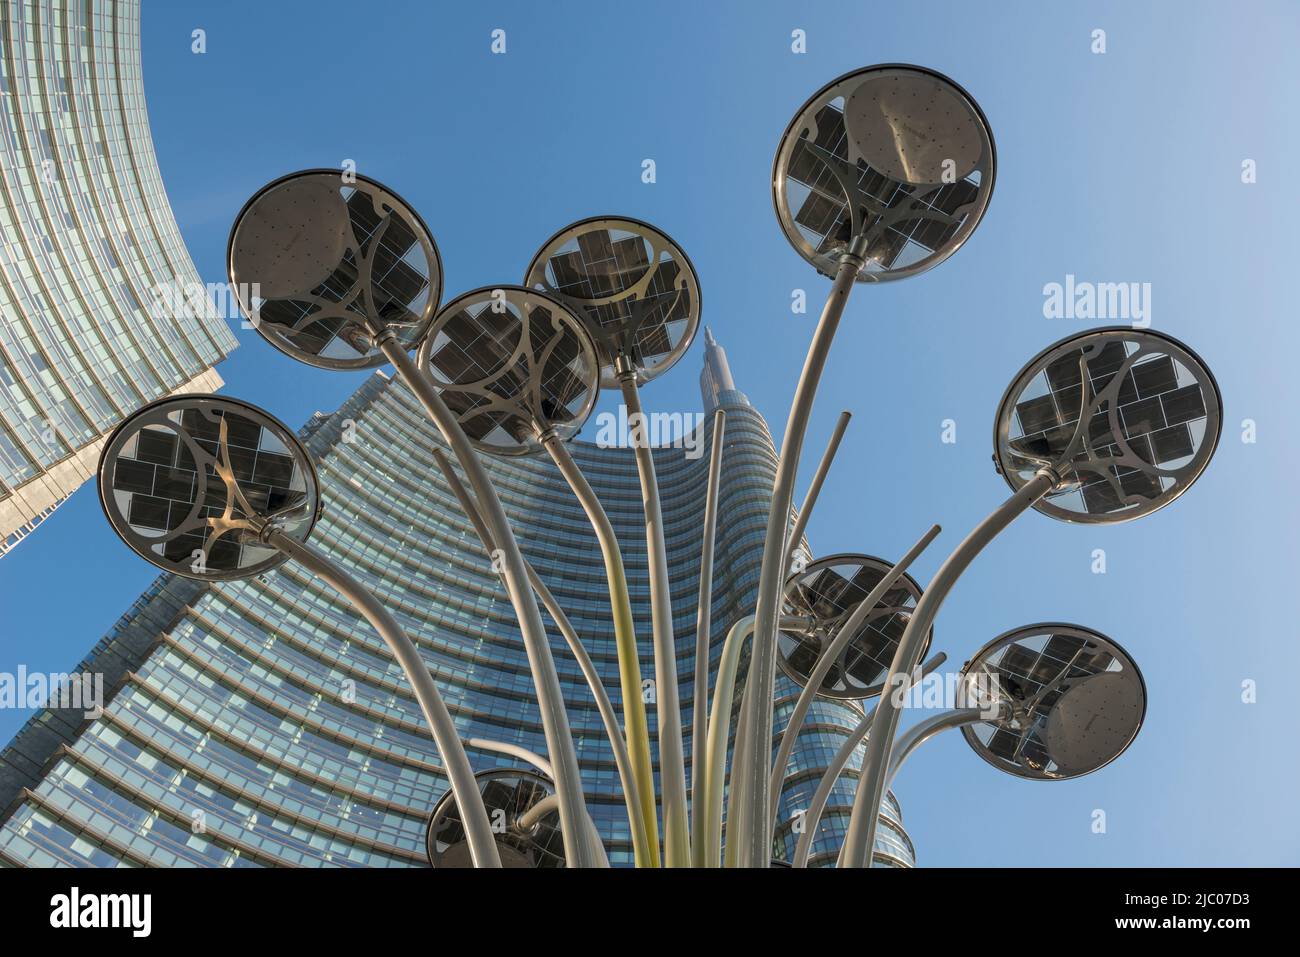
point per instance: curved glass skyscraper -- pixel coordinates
(101, 308)
(262, 722)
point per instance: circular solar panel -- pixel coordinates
(1072, 700)
(1130, 417)
(321, 264)
(632, 286)
(512, 363)
(828, 591)
(508, 796)
(895, 154)
(185, 480)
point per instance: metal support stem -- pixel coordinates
(719, 730)
(703, 625)
(871, 786)
(813, 815)
(478, 829)
(629, 658)
(814, 490)
(923, 731)
(758, 697)
(829, 655)
(578, 849)
(716, 752)
(644, 850)
(538, 811)
(672, 767)
(515, 751)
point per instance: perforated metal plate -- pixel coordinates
(828, 591)
(1073, 701)
(512, 363)
(1092, 721)
(913, 127)
(181, 478)
(897, 154)
(1150, 422)
(633, 287)
(507, 794)
(322, 264)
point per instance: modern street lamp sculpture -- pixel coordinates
(215, 489)
(882, 174)
(638, 294)
(339, 272)
(520, 372)
(1046, 702)
(1101, 427)
(845, 651)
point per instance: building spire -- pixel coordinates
(717, 387)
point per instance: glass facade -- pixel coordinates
(101, 308)
(262, 722)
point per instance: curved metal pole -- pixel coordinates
(923, 731)
(549, 803)
(719, 730)
(478, 829)
(642, 848)
(515, 751)
(736, 806)
(813, 815)
(733, 852)
(715, 762)
(668, 709)
(866, 805)
(629, 659)
(758, 696)
(550, 696)
(539, 810)
(815, 489)
(830, 654)
(703, 625)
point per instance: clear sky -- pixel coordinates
(1124, 166)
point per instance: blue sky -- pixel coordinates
(1115, 167)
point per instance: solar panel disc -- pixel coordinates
(1131, 416)
(185, 480)
(323, 263)
(898, 157)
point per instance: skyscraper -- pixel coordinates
(262, 723)
(101, 309)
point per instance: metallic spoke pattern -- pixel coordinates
(866, 156)
(1153, 416)
(828, 591)
(1073, 701)
(512, 363)
(633, 287)
(186, 481)
(320, 262)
